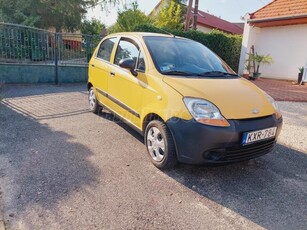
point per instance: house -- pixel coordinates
(205, 21)
(70, 40)
(278, 29)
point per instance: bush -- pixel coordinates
(227, 46)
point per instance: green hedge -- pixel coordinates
(227, 46)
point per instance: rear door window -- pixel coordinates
(105, 49)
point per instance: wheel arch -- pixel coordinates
(153, 116)
(148, 118)
(89, 85)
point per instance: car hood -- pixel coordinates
(236, 98)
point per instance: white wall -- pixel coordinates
(204, 28)
(249, 38)
(286, 44)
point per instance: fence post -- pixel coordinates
(88, 48)
(56, 53)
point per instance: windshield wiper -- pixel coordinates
(217, 73)
(179, 72)
(204, 74)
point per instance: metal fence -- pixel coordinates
(28, 45)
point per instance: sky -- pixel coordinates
(230, 10)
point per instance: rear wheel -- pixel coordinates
(160, 145)
(93, 103)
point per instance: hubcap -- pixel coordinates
(92, 99)
(155, 144)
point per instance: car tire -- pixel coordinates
(93, 103)
(160, 145)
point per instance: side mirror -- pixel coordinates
(128, 63)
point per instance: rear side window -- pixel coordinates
(105, 49)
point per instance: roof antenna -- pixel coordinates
(166, 32)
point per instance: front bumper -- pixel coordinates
(197, 143)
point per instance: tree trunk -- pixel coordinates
(58, 29)
(188, 16)
(195, 15)
(258, 68)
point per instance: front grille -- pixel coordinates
(249, 151)
(239, 152)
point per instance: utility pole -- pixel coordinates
(195, 15)
(188, 16)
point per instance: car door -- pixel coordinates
(125, 89)
(100, 67)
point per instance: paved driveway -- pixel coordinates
(62, 167)
(283, 90)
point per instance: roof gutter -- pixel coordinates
(277, 18)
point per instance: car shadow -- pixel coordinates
(271, 190)
(111, 117)
(39, 166)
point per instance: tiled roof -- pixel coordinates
(210, 21)
(281, 8)
(218, 23)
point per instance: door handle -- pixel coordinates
(93, 65)
(112, 74)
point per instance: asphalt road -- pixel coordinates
(62, 167)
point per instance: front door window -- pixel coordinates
(127, 49)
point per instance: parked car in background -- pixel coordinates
(189, 105)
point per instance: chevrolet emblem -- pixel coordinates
(255, 111)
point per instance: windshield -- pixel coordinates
(177, 56)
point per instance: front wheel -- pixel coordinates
(93, 103)
(160, 145)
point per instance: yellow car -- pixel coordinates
(189, 105)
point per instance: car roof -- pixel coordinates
(143, 34)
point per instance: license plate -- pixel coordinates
(251, 137)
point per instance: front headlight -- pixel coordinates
(275, 106)
(205, 112)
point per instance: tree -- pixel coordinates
(17, 12)
(171, 16)
(262, 59)
(92, 27)
(60, 14)
(128, 19)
